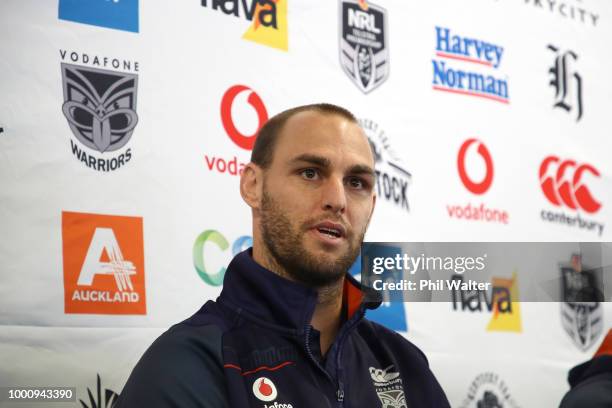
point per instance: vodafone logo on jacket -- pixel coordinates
(264, 389)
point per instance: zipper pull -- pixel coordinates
(340, 392)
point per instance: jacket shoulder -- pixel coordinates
(183, 367)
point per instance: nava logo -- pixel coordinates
(502, 302)
(269, 19)
(103, 264)
(117, 14)
(201, 254)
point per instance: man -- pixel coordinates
(591, 382)
(288, 329)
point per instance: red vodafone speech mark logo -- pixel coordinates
(242, 140)
(474, 187)
(561, 188)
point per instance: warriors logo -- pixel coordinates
(581, 313)
(100, 107)
(388, 387)
(364, 54)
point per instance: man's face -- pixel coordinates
(317, 197)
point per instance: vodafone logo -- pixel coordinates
(264, 389)
(476, 187)
(245, 141)
(561, 182)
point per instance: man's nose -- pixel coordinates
(334, 195)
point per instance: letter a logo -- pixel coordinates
(103, 264)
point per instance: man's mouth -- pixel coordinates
(331, 229)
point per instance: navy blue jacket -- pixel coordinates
(255, 347)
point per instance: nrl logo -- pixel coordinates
(364, 54)
(581, 312)
(100, 106)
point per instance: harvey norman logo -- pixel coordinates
(103, 264)
(468, 66)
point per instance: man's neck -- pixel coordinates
(327, 314)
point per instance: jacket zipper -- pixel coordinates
(338, 384)
(340, 392)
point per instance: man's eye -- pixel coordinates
(309, 174)
(356, 182)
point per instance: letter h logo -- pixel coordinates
(567, 83)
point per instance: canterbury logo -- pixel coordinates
(379, 375)
(564, 187)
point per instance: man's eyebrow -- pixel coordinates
(362, 169)
(325, 162)
(312, 159)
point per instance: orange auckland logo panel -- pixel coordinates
(103, 264)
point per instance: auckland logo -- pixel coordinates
(103, 264)
(388, 386)
(468, 66)
(364, 52)
(100, 107)
(565, 185)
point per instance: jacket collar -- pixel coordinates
(260, 293)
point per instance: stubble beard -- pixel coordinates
(286, 248)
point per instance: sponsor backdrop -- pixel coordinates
(124, 126)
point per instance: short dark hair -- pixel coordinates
(266, 138)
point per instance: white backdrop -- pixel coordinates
(150, 108)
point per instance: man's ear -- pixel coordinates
(251, 182)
